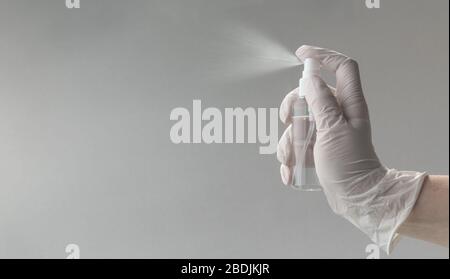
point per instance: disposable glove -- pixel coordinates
(357, 185)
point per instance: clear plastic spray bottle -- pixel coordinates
(304, 135)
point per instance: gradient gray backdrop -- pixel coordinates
(85, 98)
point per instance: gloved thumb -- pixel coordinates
(323, 103)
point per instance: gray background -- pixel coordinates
(85, 98)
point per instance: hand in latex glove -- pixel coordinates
(375, 199)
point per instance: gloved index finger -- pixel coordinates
(348, 83)
(329, 59)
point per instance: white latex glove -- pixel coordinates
(358, 187)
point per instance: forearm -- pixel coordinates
(429, 218)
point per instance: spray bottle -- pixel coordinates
(304, 135)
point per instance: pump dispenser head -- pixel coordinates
(311, 68)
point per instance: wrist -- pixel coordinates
(383, 208)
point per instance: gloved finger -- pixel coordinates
(285, 150)
(325, 108)
(286, 106)
(348, 83)
(286, 174)
(287, 103)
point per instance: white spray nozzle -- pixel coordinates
(311, 68)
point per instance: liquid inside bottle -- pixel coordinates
(303, 139)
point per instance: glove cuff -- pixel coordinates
(388, 205)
